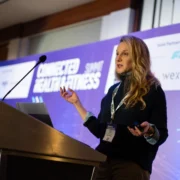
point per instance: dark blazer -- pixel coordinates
(124, 145)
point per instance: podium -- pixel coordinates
(30, 150)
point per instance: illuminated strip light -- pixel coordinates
(37, 99)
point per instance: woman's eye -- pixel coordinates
(126, 54)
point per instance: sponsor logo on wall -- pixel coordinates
(165, 57)
(176, 55)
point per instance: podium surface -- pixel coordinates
(25, 141)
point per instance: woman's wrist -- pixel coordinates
(82, 111)
(150, 132)
(77, 103)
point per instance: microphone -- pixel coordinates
(42, 59)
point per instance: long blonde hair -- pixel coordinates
(141, 77)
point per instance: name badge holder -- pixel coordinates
(111, 128)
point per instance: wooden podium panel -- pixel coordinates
(31, 147)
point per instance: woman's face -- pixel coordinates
(123, 60)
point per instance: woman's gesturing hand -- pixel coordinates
(147, 130)
(69, 96)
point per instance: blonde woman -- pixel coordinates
(132, 122)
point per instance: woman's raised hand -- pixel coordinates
(70, 96)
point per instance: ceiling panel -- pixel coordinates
(19, 11)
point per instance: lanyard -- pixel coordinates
(113, 110)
